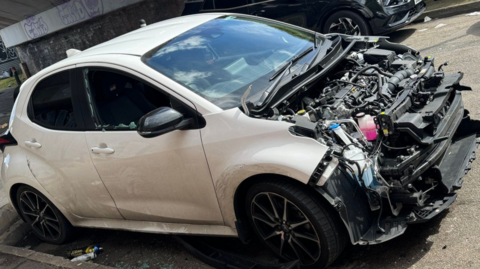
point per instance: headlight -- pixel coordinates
(391, 3)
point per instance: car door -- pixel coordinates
(289, 11)
(234, 6)
(53, 136)
(164, 178)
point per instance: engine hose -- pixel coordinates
(291, 111)
(317, 116)
(276, 113)
(399, 76)
(380, 71)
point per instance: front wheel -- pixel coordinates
(294, 224)
(346, 22)
(46, 221)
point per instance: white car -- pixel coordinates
(224, 124)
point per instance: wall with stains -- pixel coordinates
(45, 51)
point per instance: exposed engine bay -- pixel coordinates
(394, 125)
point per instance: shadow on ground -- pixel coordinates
(401, 35)
(474, 29)
(136, 250)
(399, 253)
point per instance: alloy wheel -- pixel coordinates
(285, 228)
(345, 26)
(40, 215)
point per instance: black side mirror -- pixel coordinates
(161, 121)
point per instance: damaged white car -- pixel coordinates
(233, 125)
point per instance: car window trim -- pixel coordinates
(73, 95)
(90, 126)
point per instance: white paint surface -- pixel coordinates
(3, 194)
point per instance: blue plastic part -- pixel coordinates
(333, 126)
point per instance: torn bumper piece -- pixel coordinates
(366, 227)
(222, 259)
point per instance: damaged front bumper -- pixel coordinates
(365, 226)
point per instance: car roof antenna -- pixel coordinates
(243, 100)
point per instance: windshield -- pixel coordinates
(220, 59)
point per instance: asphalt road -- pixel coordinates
(452, 240)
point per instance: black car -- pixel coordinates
(352, 17)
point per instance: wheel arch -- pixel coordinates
(363, 12)
(13, 197)
(242, 223)
(12, 193)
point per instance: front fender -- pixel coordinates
(238, 147)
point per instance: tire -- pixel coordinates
(46, 221)
(344, 20)
(318, 231)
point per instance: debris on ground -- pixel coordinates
(84, 254)
(476, 13)
(423, 30)
(427, 19)
(440, 25)
(85, 257)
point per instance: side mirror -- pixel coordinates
(161, 121)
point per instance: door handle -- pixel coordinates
(98, 150)
(33, 144)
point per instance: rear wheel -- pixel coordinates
(46, 221)
(346, 22)
(295, 225)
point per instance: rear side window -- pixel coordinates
(51, 103)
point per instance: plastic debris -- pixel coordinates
(440, 25)
(28, 247)
(423, 30)
(476, 13)
(427, 19)
(85, 257)
(82, 251)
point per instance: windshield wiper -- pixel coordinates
(289, 64)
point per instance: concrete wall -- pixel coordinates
(50, 49)
(8, 58)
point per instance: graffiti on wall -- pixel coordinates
(7, 54)
(70, 12)
(62, 14)
(35, 27)
(78, 10)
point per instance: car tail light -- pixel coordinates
(6, 139)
